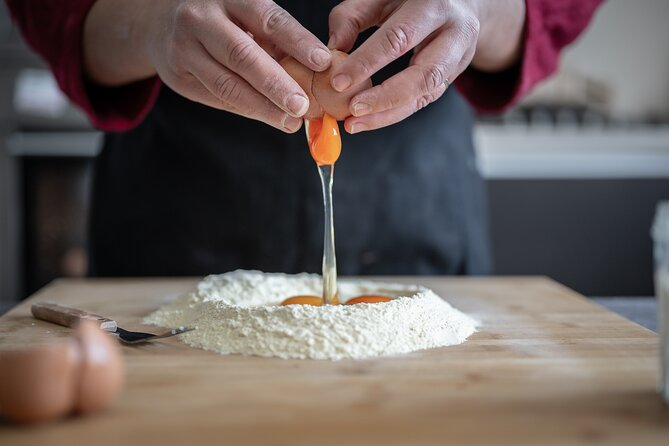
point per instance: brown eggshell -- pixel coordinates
(333, 102)
(39, 383)
(304, 77)
(102, 368)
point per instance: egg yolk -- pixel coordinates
(368, 300)
(316, 301)
(324, 140)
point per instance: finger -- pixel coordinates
(383, 119)
(236, 50)
(266, 19)
(438, 63)
(429, 39)
(275, 52)
(216, 86)
(399, 90)
(197, 92)
(350, 18)
(403, 30)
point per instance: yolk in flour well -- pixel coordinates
(368, 299)
(317, 301)
(324, 140)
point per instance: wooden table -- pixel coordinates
(546, 368)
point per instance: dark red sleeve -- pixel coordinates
(54, 29)
(550, 25)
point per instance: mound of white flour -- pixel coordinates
(239, 312)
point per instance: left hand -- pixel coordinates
(443, 35)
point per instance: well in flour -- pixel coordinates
(240, 312)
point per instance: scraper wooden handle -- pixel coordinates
(67, 316)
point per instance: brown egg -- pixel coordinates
(304, 77)
(322, 97)
(39, 383)
(43, 382)
(102, 371)
(333, 102)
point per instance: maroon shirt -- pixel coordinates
(54, 29)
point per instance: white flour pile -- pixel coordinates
(239, 312)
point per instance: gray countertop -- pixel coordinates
(642, 310)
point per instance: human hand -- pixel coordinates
(443, 35)
(210, 52)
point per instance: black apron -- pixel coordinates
(193, 191)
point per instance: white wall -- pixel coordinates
(627, 47)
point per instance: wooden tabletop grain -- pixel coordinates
(547, 367)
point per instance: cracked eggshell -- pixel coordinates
(333, 102)
(322, 97)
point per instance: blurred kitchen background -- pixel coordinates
(573, 173)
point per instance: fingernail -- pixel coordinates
(360, 109)
(320, 57)
(341, 82)
(298, 104)
(358, 127)
(291, 123)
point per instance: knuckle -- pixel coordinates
(398, 39)
(471, 27)
(186, 15)
(448, 6)
(242, 53)
(274, 19)
(422, 102)
(433, 77)
(425, 100)
(364, 67)
(338, 13)
(227, 89)
(340, 10)
(392, 103)
(442, 8)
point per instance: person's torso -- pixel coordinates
(193, 190)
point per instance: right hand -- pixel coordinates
(209, 52)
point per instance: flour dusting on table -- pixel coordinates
(239, 312)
